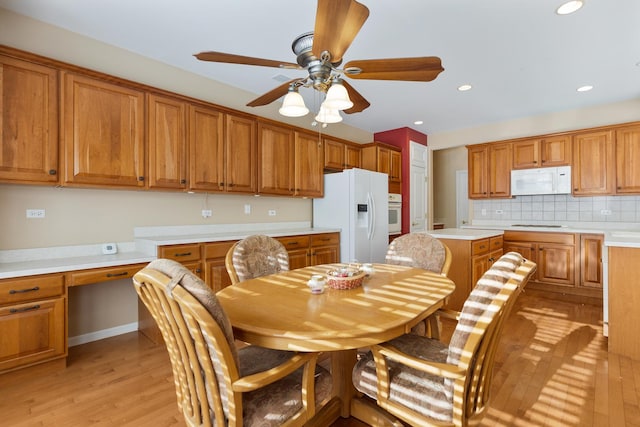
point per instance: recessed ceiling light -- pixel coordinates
(418, 122)
(569, 7)
(585, 88)
(464, 88)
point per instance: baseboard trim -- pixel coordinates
(102, 334)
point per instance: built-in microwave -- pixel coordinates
(553, 180)
(395, 213)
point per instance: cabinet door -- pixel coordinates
(556, 151)
(479, 265)
(477, 165)
(334, 155)
(206, 149)
(240, 143)
(167, 142)
(102, 133)
(352, 157)
(325, 248)
(384, 160)
(308, 165)
(29, 122)
(275, 159)
(216, 275)
(395, 166)
(627, 160)
(591, 260)
(32, 332)
(556, 264)
(500, 170)
(526, 154)
(593, 164)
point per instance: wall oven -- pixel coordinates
(395, 213)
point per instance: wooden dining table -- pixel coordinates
(279, 311)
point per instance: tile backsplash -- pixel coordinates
(559, 208)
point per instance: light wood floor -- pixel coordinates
(552, 369)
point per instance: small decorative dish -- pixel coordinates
(345, 278)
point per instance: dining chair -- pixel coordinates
(424, 381)
(255, 256)
(422, 251)
(216, 383)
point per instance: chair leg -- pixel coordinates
(434, 326)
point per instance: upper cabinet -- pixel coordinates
(340, 155)
(167, 142)
(308, 165)
(542, 152)
(593, 163)
(102, 133)
(240, 154)
(275, 159)
(489, 171)
(627, 160)
(386, 159)
(29, 122)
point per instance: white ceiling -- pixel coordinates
(521, 58)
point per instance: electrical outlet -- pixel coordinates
(605, 212)
(35, 213)
(272, 212)
(247, 209)
(206, 213)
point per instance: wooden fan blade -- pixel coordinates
(337, 24)
(422, 69)
(230, 58)
(272, 95)
(359, 103)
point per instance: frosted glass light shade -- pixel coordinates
(328, 115)
(293, 105)
(337, 97)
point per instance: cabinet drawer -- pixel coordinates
(540, 237)
(97, 275)
(495, 243)
(30, 288)
(295, 242)
(479, 247)
(180, 253)
(327, 239)
(217, 250)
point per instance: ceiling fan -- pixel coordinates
(321, 52)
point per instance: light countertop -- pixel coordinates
(464, 233)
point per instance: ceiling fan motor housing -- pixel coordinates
(319, 71)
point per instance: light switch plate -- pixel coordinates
(109, 249)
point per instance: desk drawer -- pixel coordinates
(480, 247)
(327, 239)
(217, 250)
(295, 242)
(180, 253)
(30, 288)
(97, 275)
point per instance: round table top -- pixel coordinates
(279, 311)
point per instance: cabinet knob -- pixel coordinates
(141, 178)
(183, 181)
(52, 171)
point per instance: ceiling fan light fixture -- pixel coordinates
(337, 97)
(328, 115)
(293, 104)
(569, 7)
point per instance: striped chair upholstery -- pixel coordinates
(399, 373)
(256, 256)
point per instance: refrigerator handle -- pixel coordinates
(371, 224)
(373, 216)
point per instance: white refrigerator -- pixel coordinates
(356, 202)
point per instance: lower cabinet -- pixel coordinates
(470, 259)
(32, 321)
(569, 263)
(312, 249)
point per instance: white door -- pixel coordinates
(462, 198)
(418, 187)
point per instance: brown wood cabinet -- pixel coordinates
(308, 165)
(386, 159)
(275, 159)
(102, 133)
(216, 276)
(29, 117)
(624, 300)
(489, 170)
(628, 160)
(188, 254)
(542, 152)
(470, 260)
(103, 274)
(591, 260)
(32, 321)
(340, 155)
(593, 163)
(166, 142)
